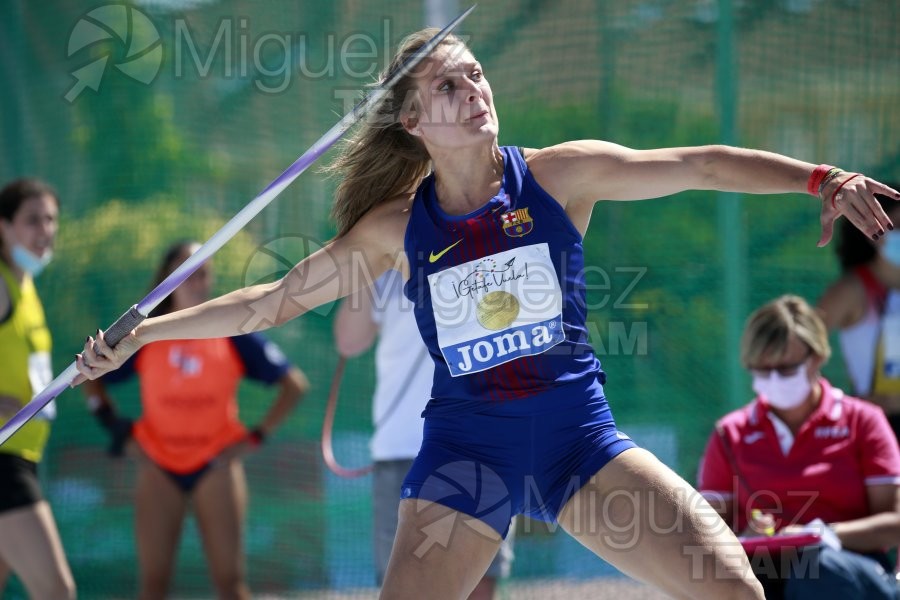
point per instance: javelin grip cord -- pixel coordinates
(123, 326)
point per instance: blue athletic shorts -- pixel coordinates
(492, 460)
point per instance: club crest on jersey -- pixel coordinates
(517, 223)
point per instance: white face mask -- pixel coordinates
(783, 392)
(30, 262)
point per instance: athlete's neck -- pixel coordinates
(466, 180)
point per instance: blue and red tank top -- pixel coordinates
(499, 293)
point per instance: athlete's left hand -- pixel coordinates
(853, 196)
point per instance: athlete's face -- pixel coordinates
(455, 105)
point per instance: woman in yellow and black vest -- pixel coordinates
(30, 545)
(864, 306)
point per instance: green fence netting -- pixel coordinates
(159, 119)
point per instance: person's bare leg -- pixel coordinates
(220, 504)
(438, 553)
(160, 507)
(645, 520)
(31, 548)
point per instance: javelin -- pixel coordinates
(131, 319)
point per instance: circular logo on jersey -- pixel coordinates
(497, 310)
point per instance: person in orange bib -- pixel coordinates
(189, 439)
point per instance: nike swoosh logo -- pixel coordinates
(435, 257)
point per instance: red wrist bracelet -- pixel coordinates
(815, 178)
(843, 183)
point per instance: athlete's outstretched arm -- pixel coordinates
(583, 172)
(327, 275)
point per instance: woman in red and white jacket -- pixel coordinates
(802, 453)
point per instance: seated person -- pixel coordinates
(803, 452)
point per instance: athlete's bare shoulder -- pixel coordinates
(559, 155)
(573, 171)
(382, 229)
(390, 218)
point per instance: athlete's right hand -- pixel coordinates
(98, 359)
